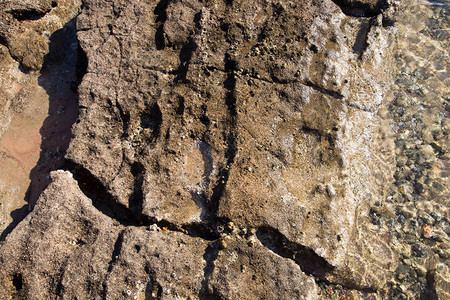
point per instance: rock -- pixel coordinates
(28, 8)
(361, 8)
(33, 132)
(242, 272)
(26, 25)
(427, 152)
(156, 264)
(180, 126)
(70, 248)
(440, 281)
(427, 231)
(200, 118)
(64, 232)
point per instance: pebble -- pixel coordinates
(437, 216)
(153, 227)
(222, 244)
(230, 226)
(407, 212)
(331, 191)
(427, 152)
(426, 218)
(252, 243)
(427, 230)
(438, 236)
(420, 270)
(442, 254)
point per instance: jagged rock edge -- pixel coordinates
(269, 237)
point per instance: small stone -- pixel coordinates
(438, 236)
(230, 226)
(427, 153)
(427, 230)
(223, 244)
(427, 219)
(437, 216)
(419, 250)
(401, 161)
(331, 191)
(420, 270)
(427, 136)
(252, 243)
(153, 227)
(406, 212)
(407, 261)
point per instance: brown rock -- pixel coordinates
(194, 115)
(68, 248)
(209, 92)
(242, 272)
(26, 26)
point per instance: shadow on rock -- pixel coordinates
(17, 215)
(62, 70)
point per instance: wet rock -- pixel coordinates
(427, 230)
(427, 153)
(439, 281)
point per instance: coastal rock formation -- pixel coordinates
(71, 249)
(221, 109)
(223, 149)
(38, 100)
(25, 27)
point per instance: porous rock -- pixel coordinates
(194, 114)
(26, 26)
(245, 272)
(67, 248)
(186, 106)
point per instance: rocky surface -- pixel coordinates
(223, 150)
(228, 107)
(37, 108)
(87, 255)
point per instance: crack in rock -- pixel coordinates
(308, 260)
(107, 204)
(361, 8)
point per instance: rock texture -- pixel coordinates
(224, 150)
(70, 249)
(37, 107)
(25, 21)
(223, 108)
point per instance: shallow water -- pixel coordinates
(416, 212)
